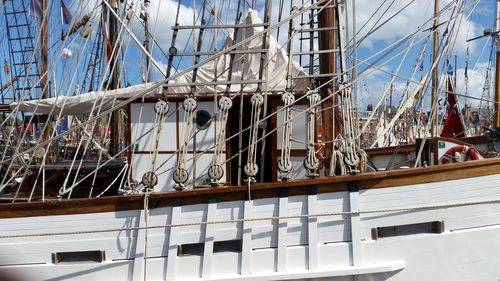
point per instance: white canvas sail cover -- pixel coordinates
(245, 67)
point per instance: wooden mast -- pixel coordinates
(328, 40)
(435, 49)
(114, 80)
(497, 68)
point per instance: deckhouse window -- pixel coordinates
(203, 119)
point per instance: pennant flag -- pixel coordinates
(450, 70)
(31, 129)
(36, 8)
(453, 126)
(66, 16)
(107, 40)
(109, 50)
(63, 125)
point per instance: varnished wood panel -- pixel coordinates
(260, 190)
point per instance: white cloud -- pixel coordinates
(475, 84)
(162, 15)
(163, 12)
(372, 87)
(417, 14)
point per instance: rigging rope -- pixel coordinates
(216, 171)
(150, 179)
(251, 168)
(284, 163)
(88, 121)
(337, 160)
(181, 175)
(311, 162)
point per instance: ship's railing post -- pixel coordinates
(209, 239)
(173, 242)
(312, 228)
(140, 248)
(355, 223)
(246, 248)
(282, 231)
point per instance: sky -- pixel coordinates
(397, 19)
(476, 52)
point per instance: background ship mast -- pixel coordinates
(435, 78)
(45, 50)
(147, 44)
(497, 68)
(22, 66)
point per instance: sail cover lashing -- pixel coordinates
(246, 69)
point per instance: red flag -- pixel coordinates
(107, 40)
(453, 126)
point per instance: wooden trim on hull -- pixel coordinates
(410, 148)
(260, 190)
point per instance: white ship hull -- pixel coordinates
(175, 205)
(321, 243)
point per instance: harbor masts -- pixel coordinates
(435, 49)
(497, 68)
(45, 49)
(147, 45)
(45, 64)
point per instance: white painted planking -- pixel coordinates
(297, 227)
(246, 265)
(209, 241)
(164, 171)
(205, 139)
(264, 232)
(228, 211)
(299, 125)
(282, 235)
(142, 123)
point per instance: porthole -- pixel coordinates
(203, 119)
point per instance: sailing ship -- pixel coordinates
(244, 164)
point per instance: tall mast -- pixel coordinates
(113, 36)
(435, 71)
(328, 41)
(497, 68)
(114, 79)
(45, 67)
(147, 76)
(45, 50)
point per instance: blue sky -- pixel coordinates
(415, 15)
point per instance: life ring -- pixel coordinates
(469, 153)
